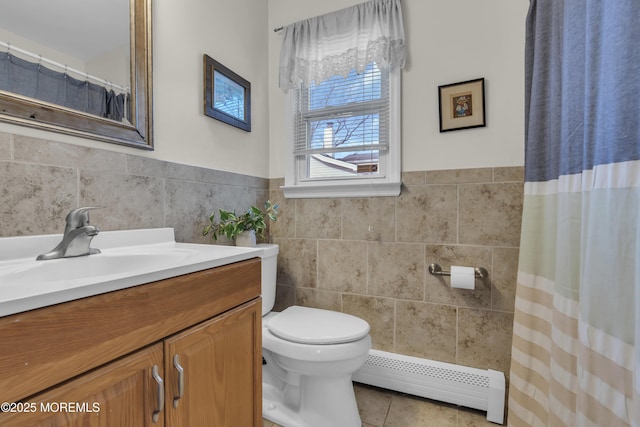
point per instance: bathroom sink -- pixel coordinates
(127, 258)
(107, 264)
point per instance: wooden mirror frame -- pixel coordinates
(30, 112)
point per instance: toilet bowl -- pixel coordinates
(309, 355)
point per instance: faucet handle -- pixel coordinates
(78, 217)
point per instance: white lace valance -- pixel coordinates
(318, 48)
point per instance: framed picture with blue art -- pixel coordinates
(462, 105)
(227, 96)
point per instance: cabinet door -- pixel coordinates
(122, 393)
(221, 368)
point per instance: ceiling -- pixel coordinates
(79, 28)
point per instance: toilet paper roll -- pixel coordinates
(463, 277)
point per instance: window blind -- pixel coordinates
(343, 114)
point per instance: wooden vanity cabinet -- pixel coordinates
(198, 365)
(218, 358)
(122, 393)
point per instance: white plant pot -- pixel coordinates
(246, 238)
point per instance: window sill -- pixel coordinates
(315, 191)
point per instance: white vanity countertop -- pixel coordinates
(129, 258)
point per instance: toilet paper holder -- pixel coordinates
(436, 270)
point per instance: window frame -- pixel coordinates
(297, 185)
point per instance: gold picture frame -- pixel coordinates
(462, 105)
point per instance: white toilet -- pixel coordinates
(308, 358)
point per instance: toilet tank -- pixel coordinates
(269, 272)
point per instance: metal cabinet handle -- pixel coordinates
(158, 378)
(180, 369)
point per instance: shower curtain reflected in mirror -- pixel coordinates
(37, 81)
(575, 360)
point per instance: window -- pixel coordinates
(345, 136)
(344, 130)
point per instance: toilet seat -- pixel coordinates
(306, 325)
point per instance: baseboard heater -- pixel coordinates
(460, 385)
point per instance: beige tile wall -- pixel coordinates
(369, 257)
(40, 181)
(364, 256)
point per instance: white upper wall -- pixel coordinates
(448, 42)
(234, 34)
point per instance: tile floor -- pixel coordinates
(383, 408)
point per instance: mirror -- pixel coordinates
(127, 85)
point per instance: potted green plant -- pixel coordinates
(243, 228)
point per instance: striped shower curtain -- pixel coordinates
(575, 354)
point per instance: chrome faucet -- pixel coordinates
(77, 237)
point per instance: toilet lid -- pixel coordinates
(316, 326)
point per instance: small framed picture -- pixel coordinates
(227, 96)
(462, 105)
